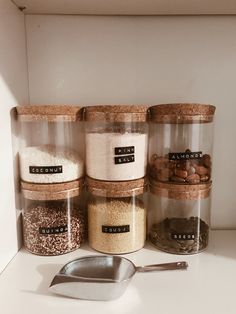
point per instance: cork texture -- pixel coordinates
(179, 191)
(117, 113)
(50, 113)
(182, 113)
(55, 191)
(116, 188)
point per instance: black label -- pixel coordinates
(45, 170)
(185, 156)
(115, 229)
(182, 236)
(124, 150)
(124, 159)
(53, 230)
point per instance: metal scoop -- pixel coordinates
(101, 277)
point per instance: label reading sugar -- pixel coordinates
(182, 236)
(124, 159)
(124, 150)
(45, 169)
(53, 230)
(185, 156)
(116, 229)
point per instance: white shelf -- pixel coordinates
(128, 7)
(208, 286)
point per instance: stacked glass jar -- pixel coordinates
(180, 169)
(51, 169)
(116, 162)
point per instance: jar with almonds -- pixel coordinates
(180, 143)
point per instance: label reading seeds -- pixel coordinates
(182, 236)
(124, 150)
(45, 169)
(185, 156)
(124, 159)
(53, 230)
(116, 229)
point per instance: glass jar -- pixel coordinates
(116, 142)
(53, 220)
(179, 217)
(180, 143)
(51, 143)
(116, 216)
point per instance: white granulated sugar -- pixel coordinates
(45, 161)
(101, 154)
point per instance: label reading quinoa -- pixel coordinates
(53, 230)
(124, 150)
(45, 169)
(183, 236)
(185, 156)
(116, 229)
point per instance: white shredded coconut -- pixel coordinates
(59, 164)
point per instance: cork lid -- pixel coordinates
(117, 113)
(179, 191)
(51, 192)
(182, 113)
(50, 113)
(116, 188)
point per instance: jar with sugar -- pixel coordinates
(116, 142)
(180, 143)
(51, 143)
(53, 217)
(116, 215)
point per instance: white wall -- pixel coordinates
(89, 60)
(13, 91)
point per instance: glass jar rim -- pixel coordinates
(182, 113)
(180, 191)
(52, 191)
(117, 113)
(116, 188)
(50, 113)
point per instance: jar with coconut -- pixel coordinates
(51, 143)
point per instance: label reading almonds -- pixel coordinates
(185, 156)
(45, 169)
(116, 229)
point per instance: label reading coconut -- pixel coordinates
(116, 229)
(185, 156)
(45, 169)
(124, 150)
(53, 230)
(183, 236)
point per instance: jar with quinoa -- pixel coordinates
(116, 216)
(53, 217)
(180, 143)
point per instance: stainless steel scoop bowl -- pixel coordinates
(101, 277)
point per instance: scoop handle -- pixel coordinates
(160, 267)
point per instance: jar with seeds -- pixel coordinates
(180, 143)
(179, 217)
(51, 143)
(53, 217)
(116, 216)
